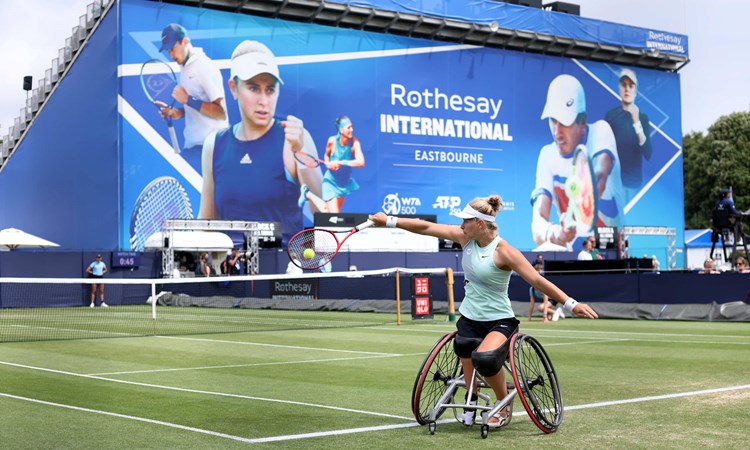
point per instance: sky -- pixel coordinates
(714, 83)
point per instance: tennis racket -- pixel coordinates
(164, 198)
(308, 159)
(315, 247)
(580, 188)
(158, 81)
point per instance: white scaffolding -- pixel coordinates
(670, 233)
(251, 231)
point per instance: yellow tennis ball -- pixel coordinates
(308, 253)
(572, 188)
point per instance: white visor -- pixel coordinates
(471, 213)
(250, 65)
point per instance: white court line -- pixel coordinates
(639, 333)
(666, 341)
(290, 437)
(436, 329)
(198, 391)
(583, 335)
(372, 356)
(660, 397)
(277, 346)
(552, 329)
(277, 363)
(125, 416)
(79, 331)
(598, 341)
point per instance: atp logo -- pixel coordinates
(447, 202)
(394, 205)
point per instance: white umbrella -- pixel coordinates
(13, 238)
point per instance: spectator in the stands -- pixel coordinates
(585, 253)
(536, 294)
(539, 260)
(204, 269)
(594, 251)
(708, 267)
(655, 263)
(741, 264)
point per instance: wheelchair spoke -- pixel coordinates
(439, 368)
(537, 380)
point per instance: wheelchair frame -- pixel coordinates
(440, 378)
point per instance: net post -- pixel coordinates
(449, 284)
(153, 300)
(398, 297)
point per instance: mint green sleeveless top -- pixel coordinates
(486, 293)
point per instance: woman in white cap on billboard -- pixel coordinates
(249, 170)
(486, 311)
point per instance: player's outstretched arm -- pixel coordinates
(508, 257)
(449, 232)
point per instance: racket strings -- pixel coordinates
(322, 242)
(166, 200)
(159, 87)
(158, 81)
(586, 201)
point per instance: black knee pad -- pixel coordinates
(464, 346)
(491, 362)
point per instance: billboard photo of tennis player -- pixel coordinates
(258, 149)
(565, 109)
(632, 130)
(422, 142)
(343, 153)
(199, 92)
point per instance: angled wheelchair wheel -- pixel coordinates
(536, 382)
(439, 367)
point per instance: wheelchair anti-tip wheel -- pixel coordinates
(536, 382)
(439, 367)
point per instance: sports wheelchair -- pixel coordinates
(440, 379)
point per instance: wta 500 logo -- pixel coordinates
(394, 205)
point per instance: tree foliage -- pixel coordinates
(715, 161)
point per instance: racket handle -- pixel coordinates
(570, 220)
(363, 225)
(173, 138)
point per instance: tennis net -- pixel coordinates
(34, 309)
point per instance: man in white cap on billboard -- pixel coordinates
(632, 133)
(249, 169)
(565, 109)
(200, 92)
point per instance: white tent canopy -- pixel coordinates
(209, 241)
(14, 238)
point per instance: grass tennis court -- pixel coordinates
(626, 384)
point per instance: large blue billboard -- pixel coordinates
(428, 126)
